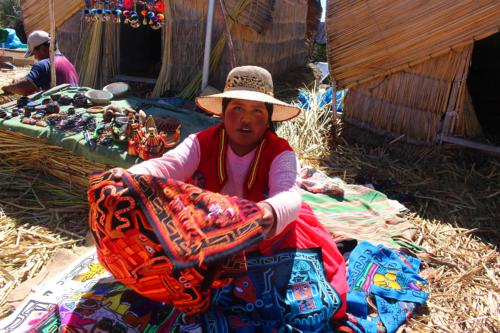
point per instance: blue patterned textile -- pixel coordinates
(384, 288)
(284, 292)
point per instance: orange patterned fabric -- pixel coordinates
(167, 240)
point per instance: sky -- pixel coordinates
(323, 4)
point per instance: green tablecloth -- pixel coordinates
(115, 154)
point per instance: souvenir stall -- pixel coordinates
(70, 132)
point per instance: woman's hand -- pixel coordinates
(117, 173)
(268, 222)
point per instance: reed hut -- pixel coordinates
(416, 69)
(274, 34)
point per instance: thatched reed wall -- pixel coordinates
(36, 13)
(372, 38)
(258, 14)
(69, 36)
(280, 46)
(419, 102)
(268, 33)
(313, 23)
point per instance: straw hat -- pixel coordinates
(249, 83)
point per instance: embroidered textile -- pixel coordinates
(384, 288)
(85, 298)
(166, 239)
(285, 290)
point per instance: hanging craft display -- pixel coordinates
(133, 12)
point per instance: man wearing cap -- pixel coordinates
(39, 77)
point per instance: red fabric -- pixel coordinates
(210, 147)
(307, 232)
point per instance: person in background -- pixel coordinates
(39, 77)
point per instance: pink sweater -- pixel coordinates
(284, 195)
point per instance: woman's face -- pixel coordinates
(246, 123)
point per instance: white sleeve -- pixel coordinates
(284, 190)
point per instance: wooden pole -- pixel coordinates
(52, 43)
(230, 44)
(334, 98)
(208, 45)
(471, 144)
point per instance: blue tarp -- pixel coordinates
(323, 99)
(11, 41)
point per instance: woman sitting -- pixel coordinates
(296, 276)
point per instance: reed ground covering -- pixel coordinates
(454, 199)
(453, 195)
(6, 77)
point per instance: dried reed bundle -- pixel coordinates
(110, 53)
(30, 153)
(89, 54)
(7, 98)
(463, 281)
(6, 78)
(164, 78)
(311, 131)
(369, 39)
(37, 217)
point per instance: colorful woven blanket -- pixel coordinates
(289, 289)
(363, 214)
(85, 298)
(167, 240)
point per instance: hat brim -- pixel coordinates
(281, 110)
(29, 52)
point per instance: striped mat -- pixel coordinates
(362, 214)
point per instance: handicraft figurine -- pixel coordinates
(145, 141)
(143, 137)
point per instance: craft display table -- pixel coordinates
(67, 154)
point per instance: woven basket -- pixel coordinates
(167, 125)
